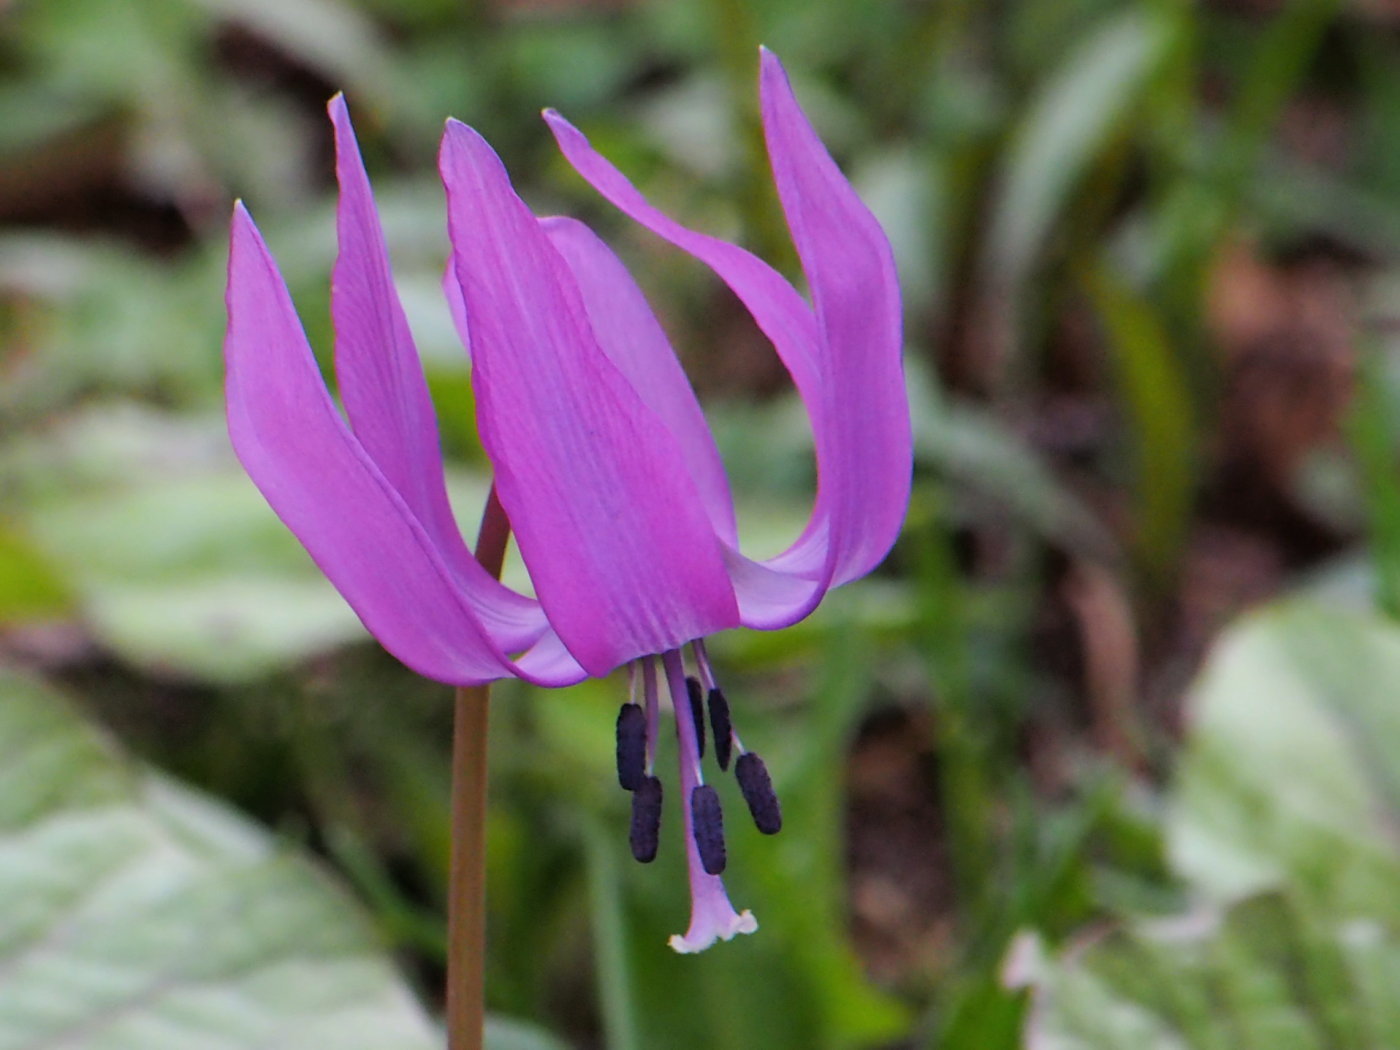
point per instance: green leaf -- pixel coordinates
(1063, 131)
(984, 457)
(1262, 974)
(140, 914)
(1153, 388)
(1283, 819)
(504, 1034)
(334, 39)
(1371, 433)
(1292, 773)
(176, 560)
(29, 587)
(1202, 206)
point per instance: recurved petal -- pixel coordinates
(777, 309)
(864, 447)
(783, 591)
(851, 384)
(330, 493)
(629, 333)
(607, 517)
(386, 397)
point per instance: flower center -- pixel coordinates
(692, 696)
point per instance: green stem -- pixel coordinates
(466, 892)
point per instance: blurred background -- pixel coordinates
(1106, 755)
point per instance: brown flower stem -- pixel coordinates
(466, 893)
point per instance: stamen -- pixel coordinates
(708, 821)
(653, 708)
(702, 663)
(696, 694)
(757, 787)
(646, 819)
(631, 746)
(723, 728)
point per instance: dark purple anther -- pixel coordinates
(758, 793)
(697, 711)
(646, 819)
(631, 746)
(708, 821)
(723, 729)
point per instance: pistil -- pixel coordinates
(712, 917)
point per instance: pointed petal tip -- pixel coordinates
(455, 137)
(452, 129)
(771, 72)
(560, 126)
(346, 144)
(465, 150)
(339, 113)
(458, 136)
(571, 142)
(241, 224)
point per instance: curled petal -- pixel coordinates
(386, 397)
(844, 356)
(608, 519)
(777, 309)
(336, 500)
(864, 444)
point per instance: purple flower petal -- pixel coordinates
(864, 446)
(767, 597)
(452, 291)
(609, 522)
(629, 333)
(386, 397)
(318, 478)
(778, 310)
(843, 358)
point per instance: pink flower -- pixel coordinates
(603, 462)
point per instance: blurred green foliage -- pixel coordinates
(147, 915)
(1137, 240)
(1282, 820)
